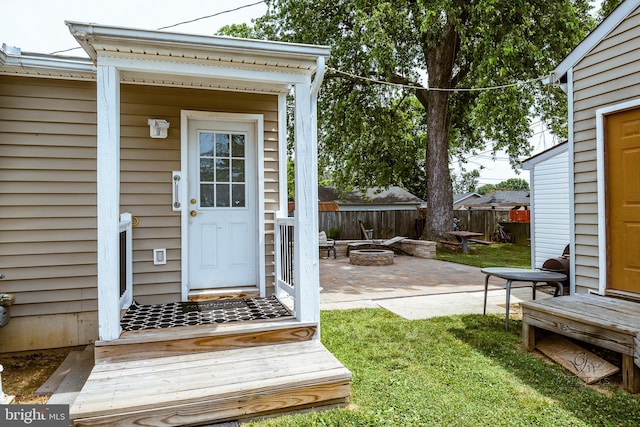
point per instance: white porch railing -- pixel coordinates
(284, 247)
(126, 260)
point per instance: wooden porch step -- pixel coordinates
(223, 293)
(153, 343)
(212, 387)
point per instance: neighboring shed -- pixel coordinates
(602, 79)
(502, 200)
(550, 213)
(375, 199)
(461, 201)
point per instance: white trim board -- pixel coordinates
(600, 161)
(258, 121)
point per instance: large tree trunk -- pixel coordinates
(440, 57)
(439, 188)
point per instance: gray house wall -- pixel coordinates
(607, 75)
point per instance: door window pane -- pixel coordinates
(206, 170)
(222, 162)
(222, 145)
(206, 195)
(222, 195)
(222, 170)
(206, 144)
(238, 196)
(238, 170)
(237, 148)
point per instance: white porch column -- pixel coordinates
(108, 187)
(306, 226)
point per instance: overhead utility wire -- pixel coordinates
(211, 16)
(180, 23)
(437, 89)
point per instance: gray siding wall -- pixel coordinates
(48, 196)
(608, 75)
(146, 166)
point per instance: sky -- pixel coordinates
(37, 26)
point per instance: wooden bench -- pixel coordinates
(607, 322)
(482, 242)
(450, 243)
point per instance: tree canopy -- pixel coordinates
(454, 64)
(513, 184)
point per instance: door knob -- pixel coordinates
(193, 213)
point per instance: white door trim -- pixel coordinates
(601, 114)
(258, 121)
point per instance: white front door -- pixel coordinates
(222, 204)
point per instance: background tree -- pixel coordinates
(514, 184)
(373, 134)
(606, 7)
(486, 189)
(467, 182)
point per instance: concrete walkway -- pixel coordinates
(414, 288)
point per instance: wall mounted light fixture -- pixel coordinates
(158, 128)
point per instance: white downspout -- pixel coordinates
(317, 81)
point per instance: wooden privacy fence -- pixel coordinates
(385, 224)
(486, 221)
(388, 224)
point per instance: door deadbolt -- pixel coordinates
(193, 201)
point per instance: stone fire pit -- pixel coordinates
(371, 257)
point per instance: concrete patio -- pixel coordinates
(414, 288)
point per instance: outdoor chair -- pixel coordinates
(326, 244)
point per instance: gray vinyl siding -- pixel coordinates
(146, 166)
(48, 188)
(607, 75)
(48, 195)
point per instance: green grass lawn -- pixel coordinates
(493, 255)
(454, 371)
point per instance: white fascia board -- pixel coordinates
(88, 34)
(15, 58)
(593, 38)
(204, 70)
(529, 163)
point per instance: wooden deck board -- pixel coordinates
(221, 384)
(607, 322)
(151, 335)
(202, 375)
(177, 341)
(615, 313)
(185, 393)
(168, 363)
(207, 411)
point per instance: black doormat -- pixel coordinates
(140, 316)
(222, 304)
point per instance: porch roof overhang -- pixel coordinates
(15, 62)
(186, 60)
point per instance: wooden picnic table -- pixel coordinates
(465, 236)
